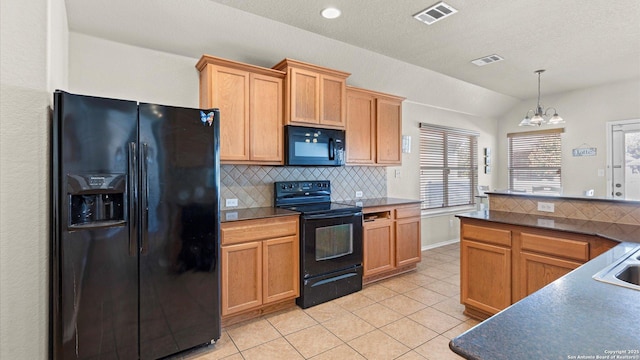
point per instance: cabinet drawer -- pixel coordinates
(571, 249)
(407, 212)
(252, 230)
(485, 234)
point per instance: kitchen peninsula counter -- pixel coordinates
(574, 317)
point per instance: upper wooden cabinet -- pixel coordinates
(250, 101)
(374, 127)
(314, 95)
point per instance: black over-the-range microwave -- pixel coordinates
(305, 146)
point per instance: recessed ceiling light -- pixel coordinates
(330, 13)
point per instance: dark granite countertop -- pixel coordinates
(254, 213)
(574, 317)
(385, 201)
(613, 231)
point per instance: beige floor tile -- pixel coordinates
(409, 332)
(403, 304)
(437, 273)
(468, 324)
(342, 352)
(453, 279)
(348, 327)
(377, 345)
(452, 267)
(435, 320)
(411, 355)
(278, 349)
(354, 301)
(253, 333)
(426, 296)
(378, 315)
(419, 279)
(452, 306)
(291, 320)
(237, 356)
(377, 292)
(398, 284)
(444, 288)
(437, 349)
(326, 311)
(222, 349)
(313, 341)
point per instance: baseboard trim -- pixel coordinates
(437, 245)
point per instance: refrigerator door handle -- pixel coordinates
(144, 208)
(133, 199)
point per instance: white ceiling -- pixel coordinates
(581, 43)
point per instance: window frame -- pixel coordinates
(450, 167)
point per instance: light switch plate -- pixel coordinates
(358, 194)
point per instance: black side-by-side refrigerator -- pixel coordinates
(135, 228)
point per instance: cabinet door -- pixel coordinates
(361, 127)
(230, 93)
(304, 96)
(266, 119)
(408, 246)
(332, 101)
(485, 276)
(241, 277)
(537, 271)
(280, 264)
(389, 131)
(379, 251)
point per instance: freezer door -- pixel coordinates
(94, 305)
(179, 259)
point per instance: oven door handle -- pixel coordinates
(330, 216)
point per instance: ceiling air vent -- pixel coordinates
(435, 13)
(487, 60)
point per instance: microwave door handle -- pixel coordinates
(332, 149)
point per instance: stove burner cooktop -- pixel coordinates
(308, 197)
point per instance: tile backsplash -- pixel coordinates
(614, 211)
(253, 185)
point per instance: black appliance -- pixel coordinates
(135, 229)
(330, 241)
(314, 147)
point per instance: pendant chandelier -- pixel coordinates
(540, 117)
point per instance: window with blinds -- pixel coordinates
(448, 166)
(535, 160)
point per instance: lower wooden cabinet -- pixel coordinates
(501, 264)
(486, 275)
(391, 241)
(260, 265)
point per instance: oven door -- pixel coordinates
(330, 242)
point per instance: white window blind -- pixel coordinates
(448, 166)
(535, 159)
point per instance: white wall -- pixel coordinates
(33, 59)
(586, 112)
(105, 68)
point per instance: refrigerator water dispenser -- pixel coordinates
(96, 200)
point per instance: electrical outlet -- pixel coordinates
(546, 207)
(232, 202)
(450, 223)
(358, 194)
(397, 173)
